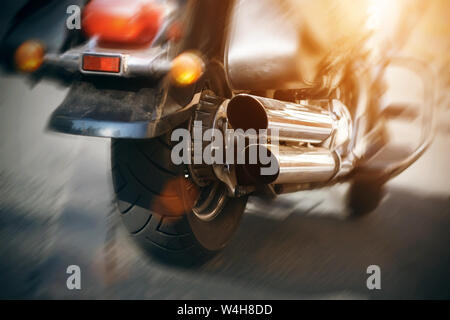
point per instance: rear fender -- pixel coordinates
(119, 109)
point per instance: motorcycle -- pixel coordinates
(139, 70)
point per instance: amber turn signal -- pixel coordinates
(186, 69)
(29, 56)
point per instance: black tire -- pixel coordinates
(364, 196)
(151, 195)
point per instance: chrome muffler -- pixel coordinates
(286, 164)
(292, 122)
(325, 125)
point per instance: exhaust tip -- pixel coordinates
(245, 112)
(261, 172)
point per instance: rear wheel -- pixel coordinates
(164, 210)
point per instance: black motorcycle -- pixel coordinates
(139, 70)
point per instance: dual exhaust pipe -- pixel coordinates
(296, 150)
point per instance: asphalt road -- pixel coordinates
(56, 210)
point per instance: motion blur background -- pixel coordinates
(56, 207)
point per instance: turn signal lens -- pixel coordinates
(29, 56)
(186, 69)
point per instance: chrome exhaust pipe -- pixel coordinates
(286, 165)
(293, 122)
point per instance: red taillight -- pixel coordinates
(123, 21)
(101, 63)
